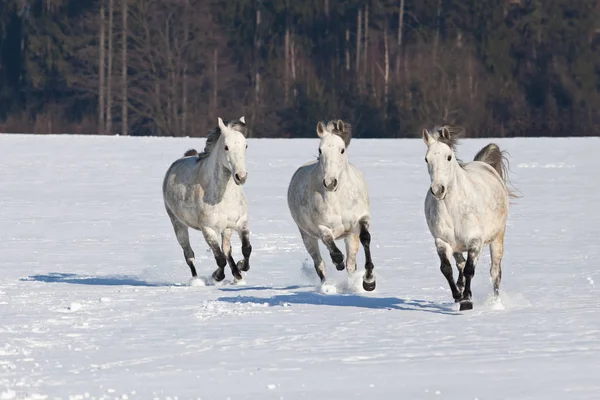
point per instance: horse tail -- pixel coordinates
(190, 152)
(496, 158)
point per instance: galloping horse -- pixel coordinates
(466, 208)
(204, 192)
(328, 200)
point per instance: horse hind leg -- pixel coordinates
(460, 265)
(183, 237)
(226, 238)
(213, 242)
(444, 251)
(365, 239)
(496, 253)
(312, 246)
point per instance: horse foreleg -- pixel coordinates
(246, 249)
(226, 237)
(336, 255)
(183, 237)
(312, 246)
(352, 244)
(496, 253)
(460, 265)
(444, 251)
(473, 252)
(213, 242)
(365, 240)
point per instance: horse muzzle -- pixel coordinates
(438, 191)
(240, 178)
(331, 185)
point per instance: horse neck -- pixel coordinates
(213, 174)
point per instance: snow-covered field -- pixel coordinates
(94, 301)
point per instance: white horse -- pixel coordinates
(466, 209)
(204, 192)
(328, 200)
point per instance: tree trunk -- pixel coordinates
(101, 71)
(215, 85)
(256, 64)
(386, 76)
(400, 32)
(109, 69)
(366, 45)
(184, 80)
(293, 62)
(286, 50)
(437, 30)
(358, 44)
(124, 101)
(347, 49)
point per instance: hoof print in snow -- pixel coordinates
(328, 288)
(198, 282)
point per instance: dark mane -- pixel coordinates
(345, 132)
(452, 140)
(213, 136)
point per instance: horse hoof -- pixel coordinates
(238, 276)
(340, 267)
(243, 266)
(369, 286)
(218, 275)
(466, 305)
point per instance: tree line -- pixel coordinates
(390, 67)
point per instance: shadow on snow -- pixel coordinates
(344, 300)
(108, 280)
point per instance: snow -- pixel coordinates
(96, 300)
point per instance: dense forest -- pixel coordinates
(389, 67)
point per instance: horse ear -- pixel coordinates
(320, 129)
(222, 125)
(427, 137)
(340, 125)
(445, 133)
(243, 120)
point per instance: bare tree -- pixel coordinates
(101, 70)
(109, 69)
(124, 102)
(386, 76)
(400, 32)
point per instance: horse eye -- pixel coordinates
(319, 151)
(226, 148)
(449, 158)
(343, 151)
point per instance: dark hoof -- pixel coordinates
(340, 267)
(243, 266)
(337, 258)
(369, 286)
(466, 305)
(218, 275)
(237, 275)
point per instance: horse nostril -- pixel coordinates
(335, 183)
(324, 183)
(442, 189)
(237, 177)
